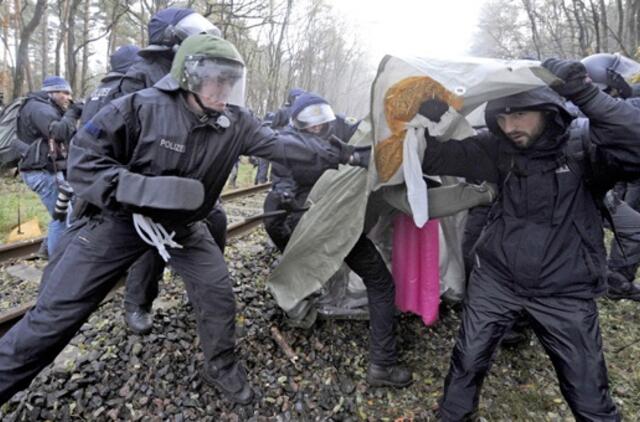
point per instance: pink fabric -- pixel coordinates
(415, 265)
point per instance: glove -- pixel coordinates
(433, 109)
(615, 80)
(354, 156)
(576, 86)
(287, 201)
(160, 192)
(360, 156)
(75, 110)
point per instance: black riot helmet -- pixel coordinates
(610, 71)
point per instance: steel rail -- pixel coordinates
(27, 248)
(235, 230)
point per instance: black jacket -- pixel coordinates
(153, 133)
(100, 96)
(39, 120)
(146, 72)
(544, 235)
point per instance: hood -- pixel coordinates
(540, 99)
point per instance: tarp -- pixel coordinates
(346, 201)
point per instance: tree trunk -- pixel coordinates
(86, 49)
(23, 47)
(45, 43)
(72, 63)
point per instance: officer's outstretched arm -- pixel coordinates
(263, 142)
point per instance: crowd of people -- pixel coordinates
(145, 158)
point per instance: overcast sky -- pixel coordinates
(441, 28)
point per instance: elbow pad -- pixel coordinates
(159, 192)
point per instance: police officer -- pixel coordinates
(312, 121)
(46, 122)
(541, 254)
(167, 29)
(153, 164)
(606, 72)
(120, 61)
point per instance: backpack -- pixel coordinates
(11, 147)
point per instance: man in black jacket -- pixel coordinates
(541, 253)
(153, 164)
(46, 123)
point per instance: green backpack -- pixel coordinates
(11, 147)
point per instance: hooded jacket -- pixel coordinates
(544, 234)
(153, 133)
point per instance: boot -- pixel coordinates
(388, 376)
(231, 382)
(139, 320)
(621, 288)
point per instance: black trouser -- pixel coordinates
(365, 260)
(97, 254)
(279, 228)
(263, 171)
(141, 287)
(567, 328)
(627, 227)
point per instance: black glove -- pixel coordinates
(576, 86)
(160, 192)
(75, 110)
(615, 80)
(360, 156)
(287, 201)
(433, 109)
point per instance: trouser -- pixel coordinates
(97, 254)
(365, 260)
(263, 171)
(627, 227)
(141, 287)
(279, 228)
(567, 328)
(233, 176)
(45, 184)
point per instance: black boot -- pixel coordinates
(230, 381)
(621, 288)
(139, 320)
(388, 376)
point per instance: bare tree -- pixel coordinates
(22, 56)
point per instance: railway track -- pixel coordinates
(26, 249)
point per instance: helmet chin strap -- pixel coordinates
(207, 111)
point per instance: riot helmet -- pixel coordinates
(610, 72)
(212, 69)
(312, 113)
(170, 27)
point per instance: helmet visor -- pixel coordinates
(626, 67)
(193, 24)
(313, 115)
(216, 82)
